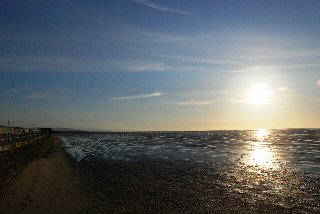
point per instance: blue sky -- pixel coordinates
(159, 65)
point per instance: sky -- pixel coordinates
(142, 65)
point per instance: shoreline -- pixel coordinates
(49, 180)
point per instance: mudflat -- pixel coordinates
(42, 178)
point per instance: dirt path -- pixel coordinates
(45, 186)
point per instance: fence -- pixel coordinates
(10, 140)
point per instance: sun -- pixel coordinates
(259, 94)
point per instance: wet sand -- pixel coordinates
(53, 182)
(163, 187)
(44, 185)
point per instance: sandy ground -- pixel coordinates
(46, 185)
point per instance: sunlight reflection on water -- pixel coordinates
(263, 173)
(261, 155)
(260, 134)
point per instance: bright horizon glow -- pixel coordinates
(259, 95)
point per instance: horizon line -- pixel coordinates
(128, 131)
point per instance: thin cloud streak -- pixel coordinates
(195, 103)
(267, 67)
(161, 7)
(50, 94)
(141, 67)
(282, 88)
(201, 60)
(141, 96)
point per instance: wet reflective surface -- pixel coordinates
(297, 150)
(280, 167)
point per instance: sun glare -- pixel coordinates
(261, 156)
(259, 94)
(261, 133)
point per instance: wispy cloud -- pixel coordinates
(140, 96)
(163, 67)
(160, 7)
(275, 67)
(282, 88)
(49, 94)
(259, 68)
(210, 61)
(140, 67)
(195, 102)
(318, 82)
(159, 37)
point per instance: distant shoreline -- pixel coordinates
(170, 131)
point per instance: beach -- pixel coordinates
(159, 106)
(55, 181)
(54, 184)
(164, 188)
(40, 180)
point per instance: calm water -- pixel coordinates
(279, 167)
